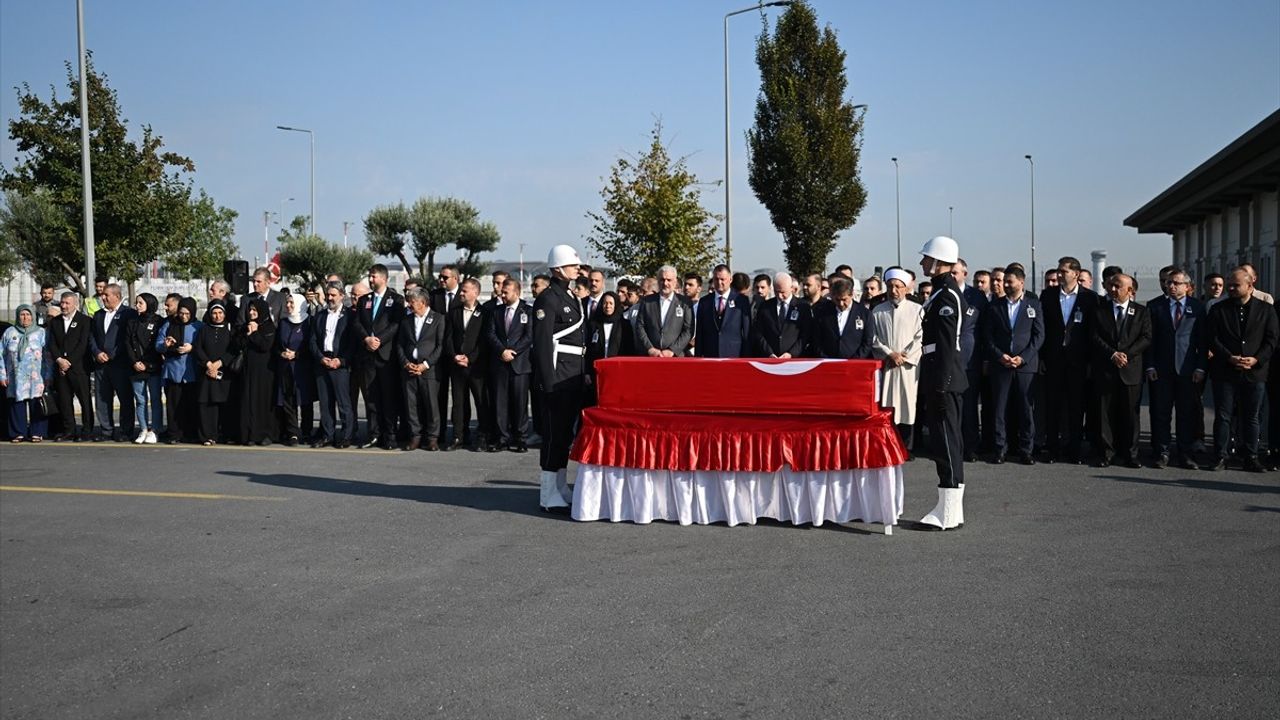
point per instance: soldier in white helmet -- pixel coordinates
(559, 365)
(943, 379)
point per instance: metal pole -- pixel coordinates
(345, 225)
(266, 231)
(313, 182)
(89, 260)
(951, 222)
(897, 196)
(1034, 278)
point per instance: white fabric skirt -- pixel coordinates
(641, 496)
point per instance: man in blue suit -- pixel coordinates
(722, 319)
(1176, 364)
(1013, 330)
(108, 348)
(510, 337)
(842, 326)
(975, 302)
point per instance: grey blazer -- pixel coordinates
(674, 335)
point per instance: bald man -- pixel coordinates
(1121, 333)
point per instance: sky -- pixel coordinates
(521, 108)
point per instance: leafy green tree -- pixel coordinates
(309, 259)
(476, 238)
(208, 244)
(807, 139)
(31, 226)
(653, 215)
(141, 192)
(436, 223)
(386, 232)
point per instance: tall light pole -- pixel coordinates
(897, 197)
(1034, 278)
(728, 244)
(345, 224)
(951, 222)
(312, 229)
(87, 182)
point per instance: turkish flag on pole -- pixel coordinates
(274, 267)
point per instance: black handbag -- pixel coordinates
(237, 363)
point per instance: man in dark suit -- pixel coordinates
(510, 337)
(1243, 334)
(1012, 332)
(262, 289)
(665, 324)
(333, 341)
(1066, 360)
(221, 290)
(69, 348)
(595, 289)
(975, 302)
(465, 347)
(420, 344)
(444, 298)
(108, 346)
(378, 319)
(783, 324)
(842, 327)
(1176, 365)
(1121, 334)
(722, 319)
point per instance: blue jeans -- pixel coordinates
(144, 390)
(1227, 396)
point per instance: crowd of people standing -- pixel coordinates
(1046, 377)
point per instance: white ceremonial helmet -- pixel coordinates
(942, 249)
(562, 255)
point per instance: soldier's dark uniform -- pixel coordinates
(943, 379)
(560, 368)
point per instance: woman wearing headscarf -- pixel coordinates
(296, 386)
(175, 341)
(23, 375)
(255, 340)
(213, 365)
(605, 337)
(146, 365)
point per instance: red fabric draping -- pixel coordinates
(736, 386)
(763, 443)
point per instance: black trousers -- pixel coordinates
(972, 423)
(464, 380)
(180, 410)
(333, 388)
(1011, 394)
(445, 369)
(357, 388)
(209, 416)
(421, 411)
(383, 397)
(511, 404)
(944, 433)
(1180, 395)
(562, 406)
(907, 434)
(1117, 418)
(73, 385)
(1065, 393)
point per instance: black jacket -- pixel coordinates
(140, 345)
(772, 336)
(942, 366)
(346, 335)
(71, 344)
(854, 342)
(469, 341)
(384, 326)
(1132, 339)
(1067, 341)
(429, 343)
(1258, 339)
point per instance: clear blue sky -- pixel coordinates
(521, 107)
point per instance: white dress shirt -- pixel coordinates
(330, 329)
(842, 319)
(418, 321)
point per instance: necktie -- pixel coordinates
(1177, 315)
(377, 303)
(591, 306)
(510, 314)
(720, 305)
(1119, 318)
(782, 309)
(448, 300)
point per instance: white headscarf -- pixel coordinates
(300, 308)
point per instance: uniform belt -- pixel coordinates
(569, 349)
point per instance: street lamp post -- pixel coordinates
(951, 222)
(728, 244)
(345, 224)
(87, 180)
(312, 229)
(897, 197)
(1034, 278)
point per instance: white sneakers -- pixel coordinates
(948, 514)
(147, 437)
(555, 489)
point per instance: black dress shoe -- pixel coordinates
(317, 444)
(1104, 462)
(1186, 463)
(998, 459)
(560, 510)
(342, 444)
(519, 448)
(291, 441)
(1027, 459)
(1252, 465)
(433, 445)
(1132, 463)
(971, 457)
(494, 448)
(1162, 461)
(1219, 464)
(372, 442)
(264, 442)
(455, 445)
(413, 444)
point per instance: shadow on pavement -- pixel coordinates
(520, 501)
(1219, 485)
(1261, 508)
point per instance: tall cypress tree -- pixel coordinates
(807, 139)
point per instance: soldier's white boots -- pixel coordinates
(949, 512)
(555, 489)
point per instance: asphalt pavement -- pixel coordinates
(297, 583)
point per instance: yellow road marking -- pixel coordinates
(135, 493)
